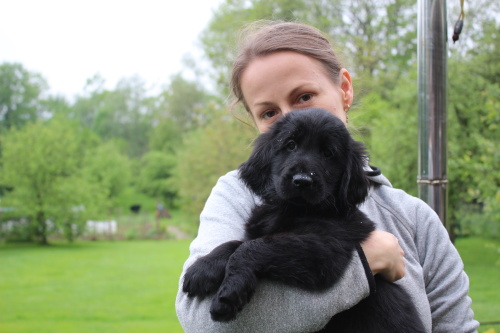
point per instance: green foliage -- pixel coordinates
(182, 102)
(156, 176)
(388, 125)
(179, 109)
(206, 154)
(132, 196)
(220, 38)
(43, 164)
(20, 92)
(123, 114)
(107, 166)
(55, 105)
(474, 118)
(479, 221)
(166, 136)
(377, 38)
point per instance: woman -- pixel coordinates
(287, 66)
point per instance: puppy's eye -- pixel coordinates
(291, 145)
(327, 153)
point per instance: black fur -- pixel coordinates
(309, 172)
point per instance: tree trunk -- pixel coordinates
(41, 230)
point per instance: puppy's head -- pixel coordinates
(308, 158)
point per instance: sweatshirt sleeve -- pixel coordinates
(274, 307)
(446, 282)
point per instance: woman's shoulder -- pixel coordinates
(231, 190)
(232, 183)
(395, 198)
(391, 206)
(224, 215)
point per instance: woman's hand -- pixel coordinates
(384, 255)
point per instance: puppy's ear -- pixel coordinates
(354, 185)
(256, 171)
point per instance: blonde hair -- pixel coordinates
(264, 37)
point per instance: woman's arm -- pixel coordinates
(274, 307)
(447, 285)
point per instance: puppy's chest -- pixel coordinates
(268, 220)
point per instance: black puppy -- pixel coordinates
(309, 173)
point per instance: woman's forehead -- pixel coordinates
(278, 71)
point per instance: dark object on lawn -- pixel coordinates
(135, 209)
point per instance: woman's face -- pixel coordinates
(281, 82)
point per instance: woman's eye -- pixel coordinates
(269, 114)
(305, 97)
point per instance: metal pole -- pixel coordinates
(432, 79)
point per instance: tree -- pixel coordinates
(105, 165)
(20, 92)
(375, 37)
(121, 114)
(206, 154)
(182, 102)
(474, 95)
(389, 127)
(42, 163)
(179, 109)
(155, 177)
(220, 37)
(166, 135)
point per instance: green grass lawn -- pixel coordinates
(91, 287)
(482, 263)
(130, 286)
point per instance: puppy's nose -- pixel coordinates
(302, 180)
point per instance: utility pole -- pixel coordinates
(432, 104)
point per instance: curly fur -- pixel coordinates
(309, 173)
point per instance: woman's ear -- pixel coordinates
(256, 171)
(345, 83)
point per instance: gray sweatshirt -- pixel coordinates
(434, 270)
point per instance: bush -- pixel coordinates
(481, 220)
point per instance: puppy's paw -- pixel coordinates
(203, 278)
(234, 293)
(223, 309)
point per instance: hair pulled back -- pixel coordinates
(282, 36)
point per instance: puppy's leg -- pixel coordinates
(307, 261)
(237, 287)
(389, 309)
(205, 276)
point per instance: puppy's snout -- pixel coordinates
(302, 180)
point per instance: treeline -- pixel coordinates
(69, 161)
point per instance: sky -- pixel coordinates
(69, 41)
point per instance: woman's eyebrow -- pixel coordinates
(264, 103)
(301, 86)
(298, 88)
